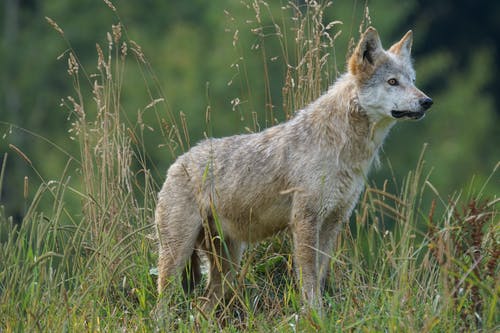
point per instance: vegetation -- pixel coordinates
(83, 258)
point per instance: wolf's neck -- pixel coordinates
(379, 130)
(340, 125)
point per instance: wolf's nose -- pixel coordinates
(426, 103)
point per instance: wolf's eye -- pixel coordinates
(393, 82)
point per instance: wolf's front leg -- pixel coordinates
(328, 235)
(304, 228)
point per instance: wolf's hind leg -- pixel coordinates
(224, 258)
(178, 228)
(191, 275)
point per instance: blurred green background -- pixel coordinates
(189, 45)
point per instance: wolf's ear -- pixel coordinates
(366, 53)
(403, 47)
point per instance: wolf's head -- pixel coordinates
(386, 79)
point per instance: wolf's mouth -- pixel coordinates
(407, 114)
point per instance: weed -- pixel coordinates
(89, 266)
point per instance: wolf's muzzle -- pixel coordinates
(425, 104)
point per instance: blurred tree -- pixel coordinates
(464, 28)
(205, 53)
(457, 50)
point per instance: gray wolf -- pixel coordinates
(305, 174)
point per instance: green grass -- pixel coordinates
(90, 266)
(62, 273)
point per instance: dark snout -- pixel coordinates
(426, 103)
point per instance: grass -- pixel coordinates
(93, 268)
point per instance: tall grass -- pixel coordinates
(92, 269)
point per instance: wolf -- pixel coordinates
(304, 175)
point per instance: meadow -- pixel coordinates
(411, 260)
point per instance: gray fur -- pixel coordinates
(305, 174)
